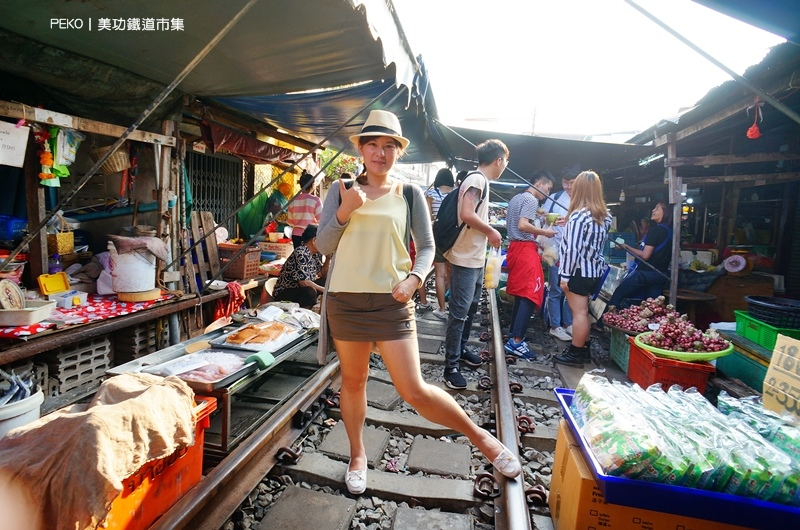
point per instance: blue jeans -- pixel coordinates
(465, 292)
(520, 316)
(639, 284)
(558, 310)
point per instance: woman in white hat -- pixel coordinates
(369, 294)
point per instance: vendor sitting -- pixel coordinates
(656, 249)
(303, 275)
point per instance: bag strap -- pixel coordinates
(666, 239)
(553, 200)
(483, 194)
(408, 195)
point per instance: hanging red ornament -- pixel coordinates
(754, 132)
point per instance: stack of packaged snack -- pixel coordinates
(679, 438)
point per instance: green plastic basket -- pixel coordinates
(681, 355)
(760, 332)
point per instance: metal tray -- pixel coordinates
(702, 504)
(175, 351)
(272, 347)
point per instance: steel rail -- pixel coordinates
(225, 480)
(511, 507)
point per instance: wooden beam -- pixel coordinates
(19, 111)
(786, 83)
(232, 119)
(757, 179)
(708, 122)
(718, 160)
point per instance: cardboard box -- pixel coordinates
(782, 382)
(281, 250)
(576, 502)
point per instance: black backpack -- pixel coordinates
(446, 227)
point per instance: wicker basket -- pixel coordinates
(63, 241)
(777, 312)
(117, 162)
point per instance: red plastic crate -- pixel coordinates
(157, 485)
(645, 369)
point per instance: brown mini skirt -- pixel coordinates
(368, 317)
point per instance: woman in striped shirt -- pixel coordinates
(581, 262)
(442, 185)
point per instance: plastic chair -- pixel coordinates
(266, 294)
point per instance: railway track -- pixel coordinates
(298, 456)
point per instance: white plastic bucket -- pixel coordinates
(20, 413)
(132, 272)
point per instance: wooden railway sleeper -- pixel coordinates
(486, 486)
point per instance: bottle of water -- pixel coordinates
(54, 264)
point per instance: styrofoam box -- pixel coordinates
(68, 299)
(34, 312)
(704, 256)
(281, 250)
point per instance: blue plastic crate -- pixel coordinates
(11, 228)
(702, 504)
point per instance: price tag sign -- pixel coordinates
(13, 142)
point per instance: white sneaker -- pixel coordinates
(568, 329)
(560, 333)
(441, 315)
(356, 480)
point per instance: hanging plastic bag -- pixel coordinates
(494, 264)
(67, 143)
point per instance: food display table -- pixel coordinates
(223, 434)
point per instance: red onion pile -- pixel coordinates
(635, 319)
(681, 335)
(674, 331)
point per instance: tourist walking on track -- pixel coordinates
(365, 225)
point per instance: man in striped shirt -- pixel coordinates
(525, 276)
(305, 209)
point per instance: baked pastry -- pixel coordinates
(243, 335)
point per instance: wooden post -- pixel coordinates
(34, 199)
(675, 199)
